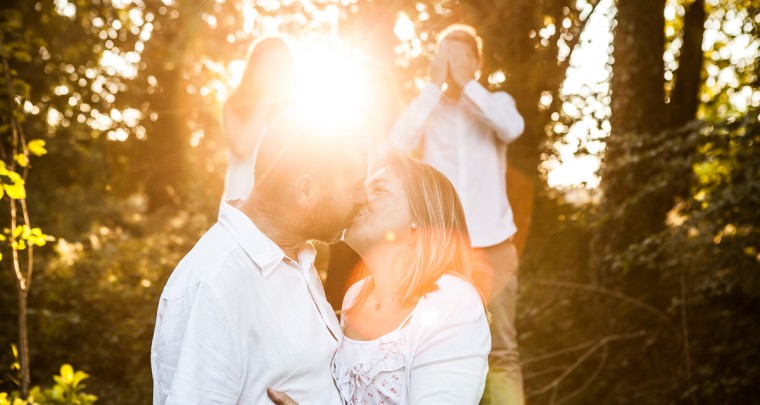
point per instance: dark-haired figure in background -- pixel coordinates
(463, 130)
(265, 90)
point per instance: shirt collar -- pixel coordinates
(262, 250)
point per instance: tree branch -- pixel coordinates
(560, 352)
(599, 367)
(602, 342)
(614, 294)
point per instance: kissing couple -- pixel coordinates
(243, 319)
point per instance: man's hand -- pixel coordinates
(462, 64)
(438, 67)
(280, 398)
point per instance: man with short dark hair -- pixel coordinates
(245, 310)
(463, 130)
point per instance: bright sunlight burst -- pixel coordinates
(330, 82)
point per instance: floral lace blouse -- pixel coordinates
(371, 371)
(442, 347)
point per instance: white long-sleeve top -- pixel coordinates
(237, 317)
(466, 139)
(238, 179)
(244, 137)
(439, 355)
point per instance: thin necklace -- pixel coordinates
(379, 303)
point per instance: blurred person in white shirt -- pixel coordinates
(462, 129)
(245, 310)
(265, 90)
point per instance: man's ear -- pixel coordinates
(478, 66)
(307, 190)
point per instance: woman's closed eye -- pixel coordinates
(378, 190)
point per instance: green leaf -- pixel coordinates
(37, 240)
(58, 380)
(22, 88)
(15, 190)
(36, 147)
(22, 56)
(21, 229)
(21, 159)
(67, 373)
(78, 377)
(57, 392)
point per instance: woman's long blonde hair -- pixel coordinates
(441, 244)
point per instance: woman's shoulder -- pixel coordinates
(455, 307)
(455, 296)
(450, 285)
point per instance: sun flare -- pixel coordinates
(330, 85)
(330, 88)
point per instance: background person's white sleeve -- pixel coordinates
(497, 109)
(408, 129)
(450, 361)
(243, 135)
(198, 358)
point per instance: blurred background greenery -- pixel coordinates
(636, 185)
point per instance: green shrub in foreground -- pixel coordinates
(66, 391)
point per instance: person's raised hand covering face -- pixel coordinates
(439, 66)
(462, 63)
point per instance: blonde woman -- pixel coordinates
(415, 329)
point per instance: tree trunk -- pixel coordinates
(637, 90)
(638, 113)
(638, 95)
(684, 99)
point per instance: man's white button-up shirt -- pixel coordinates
(466, 139)
(237, 316)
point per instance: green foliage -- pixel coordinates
(629, 307)
(705, 259)
(737, 69)
(67, 390)
(95, 300)
(13, 183)
(17, 43)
